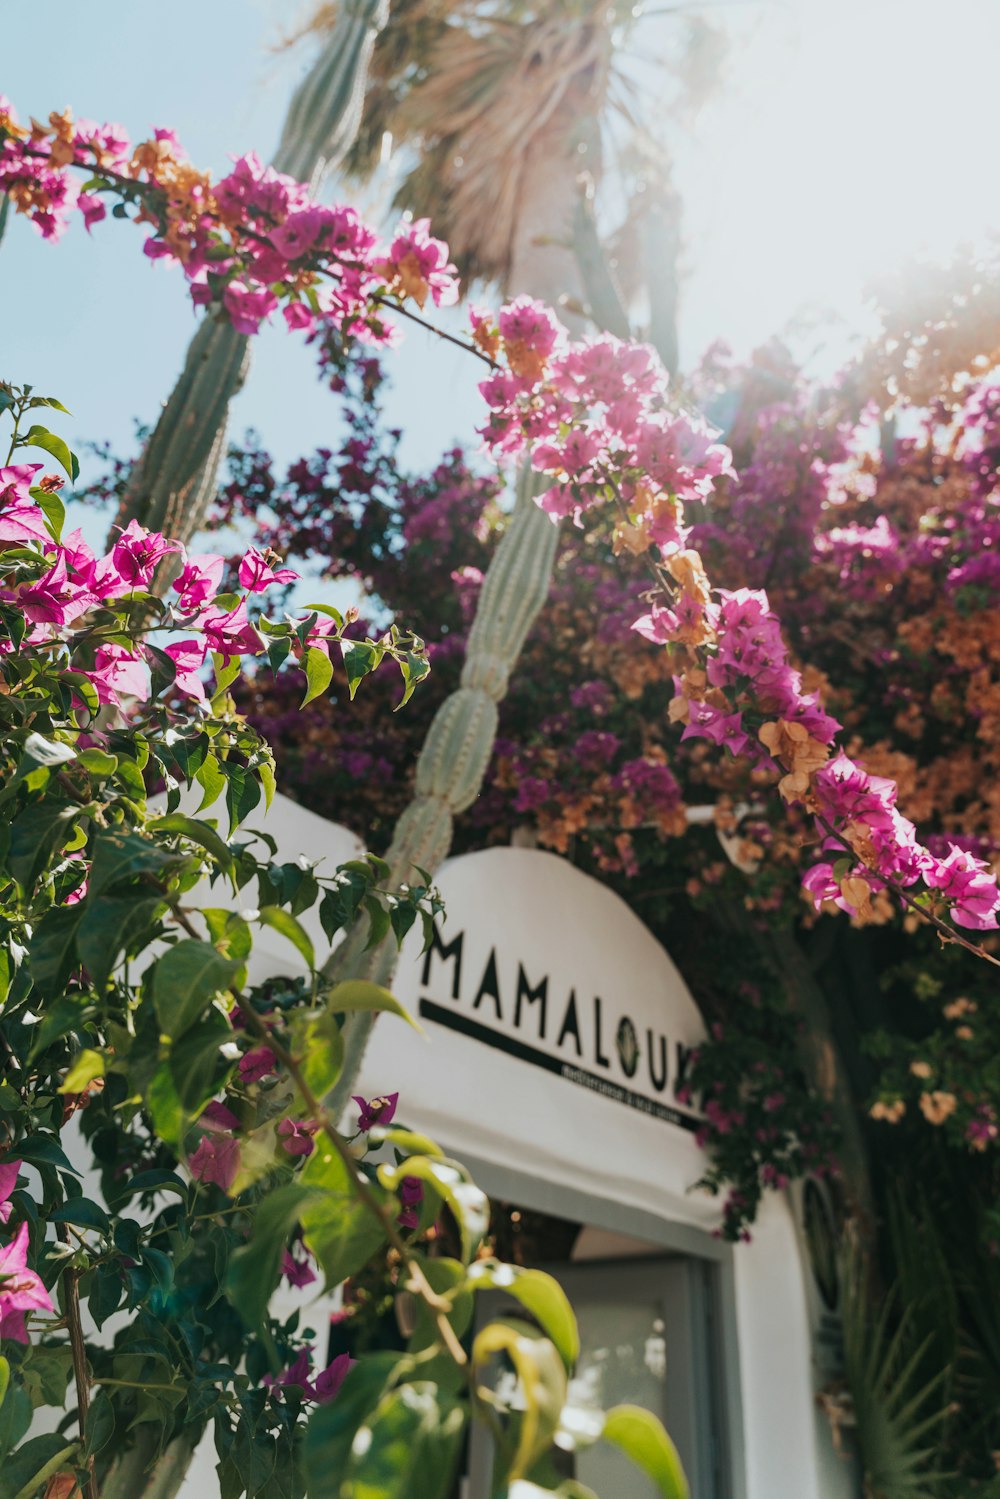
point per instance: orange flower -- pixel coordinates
(687, 570)
(797, 752)
(921, 1069)
(937, 1107)
(891, 1113)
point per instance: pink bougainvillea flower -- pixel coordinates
(297, 1372)
(217, 1118)
(257, 573)
(968, 884)
(15, 483)
(92, 208)
(297, 316)
(229, 631)
(21, 1290)
(296, 1272)
(137, 553)
(216, 1160)
(188, 657)
(329, 1380)
(118, 674)
(199, 581)
(8, 1181)
(297, 1135)
(326, 1384)
(375, 1111)
(20, 523)
(254, 1065)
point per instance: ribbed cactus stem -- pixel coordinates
(175, 476)
(456, 752)
(325, 112)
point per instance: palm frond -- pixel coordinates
(897, 1415)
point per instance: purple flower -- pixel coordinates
(379, 1110)
(256, 1064)
(329, 1380)
(217, 1159)
(296, 1272)
(21, 1290)
(296, 1135)
(326, 1384)
(411, 1195)
(216, 1117)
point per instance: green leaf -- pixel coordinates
(265, 771)
(469, 1205)
(112, 925)
(342, 1233)
(359, 994)
(47, 751)
(25, 1471)
(319, 1045)
(411, 1447)
(198, 832)
(158, 1180)
(185, 979)
(408, 1141)
(53, 509)
(542, 1379)
(211, 780)
(85, 1067)
(319, 673)
(35, 835)
(413, 670)
(43, 1150)
(170, 1120)
(332, 1428)
(82, 1212)
(640, 1436)
(4, 1377)
(540, 1295)
(52, 950)
(123, 855)
(227, 669)
(15, 1418)
(47, 1374)
(98, 764)
(196, 1063)
(66, 1014)
(360, 658)
(378, 921)
(40, 437)
(255, 1268)
(447, 1278)
(281, 921)
(242, 793)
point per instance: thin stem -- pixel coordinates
(16, 419)
(80, 1375)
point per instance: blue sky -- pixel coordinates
(808, 173)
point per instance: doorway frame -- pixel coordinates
(535, 1193)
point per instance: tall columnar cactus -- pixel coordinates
(460, 740)
(173, 480)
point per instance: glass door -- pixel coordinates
(646, 1338)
